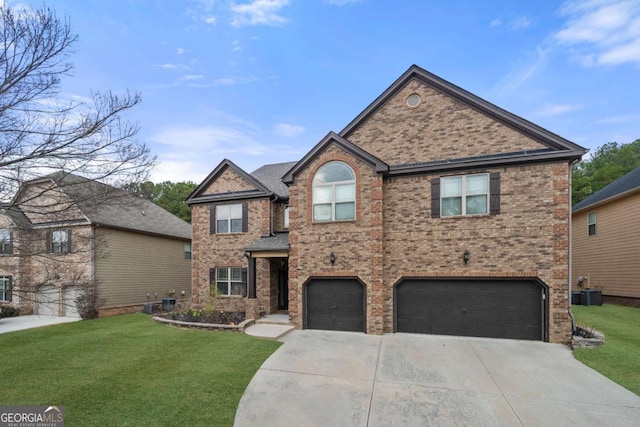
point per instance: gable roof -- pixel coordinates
(271, 177)
(15, 214)
(104, 205)
(556, 143)
(332, 138)
(621, 187)
(199, 196)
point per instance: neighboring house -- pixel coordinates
(433, 211)
(606, 226)
(64, 236)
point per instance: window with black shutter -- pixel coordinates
(463, 195)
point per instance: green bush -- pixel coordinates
(9, 311)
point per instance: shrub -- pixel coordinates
(9, 311)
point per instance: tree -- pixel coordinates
(39, 132)
(608, 163)
(168, 195)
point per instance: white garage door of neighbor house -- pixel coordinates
(69, 296)
(47, 299)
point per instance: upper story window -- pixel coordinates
(187, 251)
(60, 241)
(229, 218)
(591, 220)
(334, 192)
(5, 288)
(286, 216)
(6, 241)
(465, 195)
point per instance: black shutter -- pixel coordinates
(245, 217)
(494, 193)
(68, 248)
(212, 282)
(435, 198)
(212, 219)
(244, 281)
(47, 241)
(8, 292)
(10, 248)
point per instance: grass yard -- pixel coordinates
(619, 357)
(130, 371)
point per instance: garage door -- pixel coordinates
(47, 299)
(335, 304)
(69, 296)
(478, 308)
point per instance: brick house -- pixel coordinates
(64, 235)
(433, 211)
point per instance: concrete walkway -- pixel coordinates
(322, 378)
(19, 323)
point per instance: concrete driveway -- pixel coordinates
(322, 378)
(19, 323)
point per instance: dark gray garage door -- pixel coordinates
(335, 304)
(477, 308)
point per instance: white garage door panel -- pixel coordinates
(47, 301)
(69, 296)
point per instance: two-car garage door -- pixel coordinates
(507, 308)
(496, 308)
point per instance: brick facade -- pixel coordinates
(394, 235)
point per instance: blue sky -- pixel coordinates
(262, 81)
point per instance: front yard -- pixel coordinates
(130, 371)
(619, 357)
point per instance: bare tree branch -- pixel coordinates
(41, 133)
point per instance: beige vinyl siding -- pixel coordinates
(133, 264)
(609, 259)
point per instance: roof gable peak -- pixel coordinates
(217, 171)
(333, 138)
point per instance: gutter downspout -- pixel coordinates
(573, 319)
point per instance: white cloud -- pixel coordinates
(181, 51)
(191, 77)
(629, 118)
(519, 23)
(211, 20)
(258, 12)
(287, 130)
(496, 22)
(522, 72)
(555, 109)
(602, 32)
(236, 45)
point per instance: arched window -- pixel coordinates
(334, 193)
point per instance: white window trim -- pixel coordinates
(464, 195)
(228, 219)
(229, 282)
(3, 290)
(333, 186)
(286, 216)
(594, 223)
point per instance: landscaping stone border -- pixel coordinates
(595, 340)
(212, 326)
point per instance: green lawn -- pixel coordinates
(619, 357)
(130, 371)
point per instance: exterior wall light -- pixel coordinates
(332, 258)
(466, 256)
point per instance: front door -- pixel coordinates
(283, 289)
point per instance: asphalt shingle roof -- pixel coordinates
(279, 242)
(628, 182)
(112, 207)
(271, 177)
